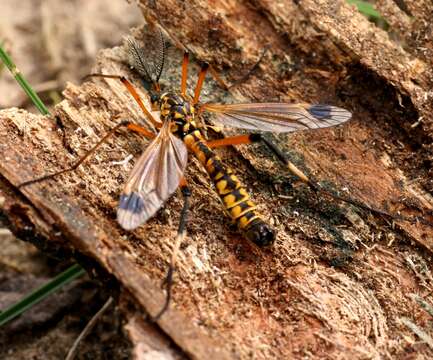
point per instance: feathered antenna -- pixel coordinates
(137, 60)
(161, 55)
(148, 66)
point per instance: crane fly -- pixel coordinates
(159, 170)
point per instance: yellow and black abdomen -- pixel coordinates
(232, 193)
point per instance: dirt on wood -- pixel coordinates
(340, 281)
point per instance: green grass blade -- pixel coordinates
(7, 61)
(41, 293)
(2, 65)
(366, 8)
(72, 272)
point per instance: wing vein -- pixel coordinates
(154, 178)
(277, 117)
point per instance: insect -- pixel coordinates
(159, 170)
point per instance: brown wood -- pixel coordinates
(338, 280)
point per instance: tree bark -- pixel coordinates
(339, 281)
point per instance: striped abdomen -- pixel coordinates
(232, 193)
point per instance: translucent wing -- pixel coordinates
(155, 176)
(277, 117)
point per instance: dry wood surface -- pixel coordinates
(339, 282)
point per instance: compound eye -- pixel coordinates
(154, 98)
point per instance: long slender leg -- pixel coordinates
(133, 93)
(241, 80)
(184, 73)
(290, 166)
(181, 232)
(316, 187)
(201, 77)
(111, 132)
(251, 138)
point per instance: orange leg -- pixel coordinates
(133, 93)
(127, 124)
(234, 140)
(184, 73)
(141, 130)
(251, 138)
(201, 76)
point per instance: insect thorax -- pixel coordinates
(176, 108)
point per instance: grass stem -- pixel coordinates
(41, 293)
(7, 61)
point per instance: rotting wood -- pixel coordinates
(283, 302)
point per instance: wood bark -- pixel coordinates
(339, 282)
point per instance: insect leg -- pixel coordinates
(244, 78)
(181, 232)
(201, 76)
(251, 138)
(184, 73)
(111, 132)
(317, 188)
(234, 140)
(133, 92)
(290, 166)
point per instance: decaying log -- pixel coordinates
(338, 279)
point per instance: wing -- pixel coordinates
(277, 117)
(155, 176)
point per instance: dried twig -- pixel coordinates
(73, 350)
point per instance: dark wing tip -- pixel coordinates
(320, 111)
(329, 113)
(132, 202)
(131, 211)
